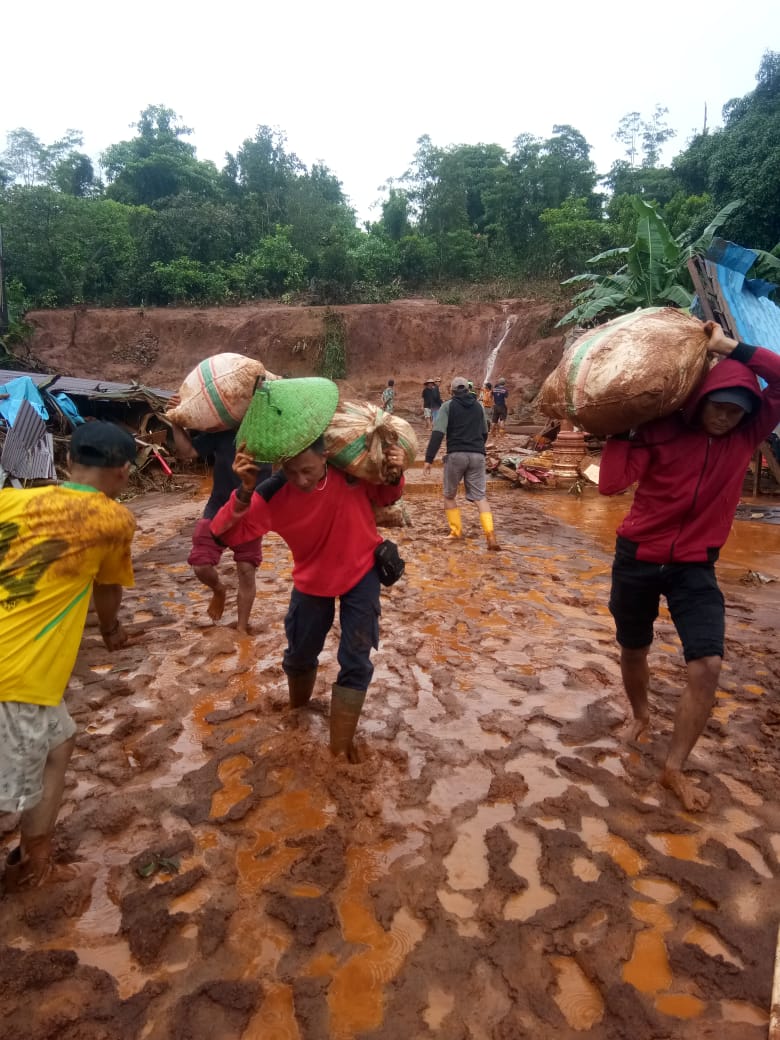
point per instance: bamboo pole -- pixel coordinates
(774, 1013)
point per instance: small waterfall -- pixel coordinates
(508, 323)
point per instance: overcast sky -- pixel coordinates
(354, 84)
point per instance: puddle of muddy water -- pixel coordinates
(579, 1000)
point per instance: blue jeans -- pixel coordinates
(309, 619)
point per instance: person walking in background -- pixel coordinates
(500, 394)
(464, 423)
(326, 518)
(431, 399)
(388, 396)
(436, 400)
(206, 553)
(486, 397)
(58, 544)
(690, 469)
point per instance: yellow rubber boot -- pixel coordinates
(486, 519)
(453, 519)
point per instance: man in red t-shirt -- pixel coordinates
(327, 521)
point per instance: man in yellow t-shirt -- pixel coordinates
(58, 544)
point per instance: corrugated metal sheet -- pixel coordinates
(91, 388)
(27, 452)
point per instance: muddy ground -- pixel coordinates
(498, 866)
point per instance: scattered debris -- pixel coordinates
(756, 578)
(158, 864)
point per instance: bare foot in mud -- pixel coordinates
(352, 756)
(216, 607)
(635, 730)
(693, 798)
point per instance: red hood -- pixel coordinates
(724, 374)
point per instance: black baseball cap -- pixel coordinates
(101, 444)
(738, 395)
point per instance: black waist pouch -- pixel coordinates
(388, 562)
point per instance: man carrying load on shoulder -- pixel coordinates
(58, 545)
(326, 519)
(205, 553)
(690, 469)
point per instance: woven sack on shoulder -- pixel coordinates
(635, 368)
(357, 436)
(216, 393)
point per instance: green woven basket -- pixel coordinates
(286, 416)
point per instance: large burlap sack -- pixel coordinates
(216, 393)
(638, 367)
(357, 437)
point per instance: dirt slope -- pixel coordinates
(409, 341)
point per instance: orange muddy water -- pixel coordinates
(498, 866)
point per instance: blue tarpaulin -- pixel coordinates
(753, 317)
(69, 408)
(18, 390)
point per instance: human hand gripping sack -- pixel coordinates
(246, 469)
(719, 343)
(395, 457)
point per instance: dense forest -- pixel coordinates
(155, 225)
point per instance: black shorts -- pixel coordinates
(692, 594)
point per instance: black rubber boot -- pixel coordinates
(345, 708)
(301, 687)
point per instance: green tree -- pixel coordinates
(65, 249)
(28, 161)
(274, 267)
(540, 175)
(629, 134)
(743, 159)
(157, 163)
(573, 235)
(396, 212)
(655, 134)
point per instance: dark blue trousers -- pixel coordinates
(309, 619)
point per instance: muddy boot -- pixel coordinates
(345, 708)
(33, 866)
(300, 687)
(453, 519)
(486, 519)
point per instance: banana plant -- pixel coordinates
(654, 273)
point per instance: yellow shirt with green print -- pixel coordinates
(54, 542)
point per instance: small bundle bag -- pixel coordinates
(356, 439)
(216, 393)
(635, 368)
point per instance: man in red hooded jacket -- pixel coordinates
(690, 469)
